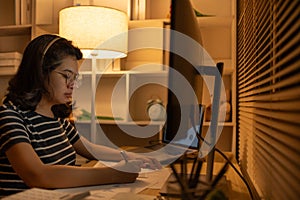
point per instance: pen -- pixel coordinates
(124, 156)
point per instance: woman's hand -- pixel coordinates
(130, 166)
(147, 162)
(126, 171)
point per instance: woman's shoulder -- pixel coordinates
(65, 122)
(10, 109)
(10, 114)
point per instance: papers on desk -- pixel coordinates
(151, 179)
(148, 179)
(44, 194)
(131, 196)
(111, 164)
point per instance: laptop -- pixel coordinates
(170, 149)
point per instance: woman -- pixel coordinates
(38, 144)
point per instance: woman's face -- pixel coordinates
(62, 81)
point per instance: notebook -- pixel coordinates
(44, 194)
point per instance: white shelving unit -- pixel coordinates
(218, 35)
(116, 90)
(15, 34)
(122, 94)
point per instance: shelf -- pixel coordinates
(147, 23)
(120, 73)
(149, 73)
(13, 30)
(7, 73)
(224, 124)
(226, 71)
(122, 122)
(203, 21)
(109, 74)
(214, 21)
(143, 123)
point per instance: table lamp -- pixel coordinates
(100, 33)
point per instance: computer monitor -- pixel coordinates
(184, 83)
(188, 62)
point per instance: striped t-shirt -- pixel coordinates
(51, 139)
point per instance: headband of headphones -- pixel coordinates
(49, 45)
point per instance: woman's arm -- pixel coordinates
(34, 173)
(90, 150)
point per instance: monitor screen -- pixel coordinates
(185, 83)
(190, 70)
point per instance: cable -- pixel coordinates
(231, 164)
(235, 169)
(200, 138)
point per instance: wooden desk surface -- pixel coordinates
(237, 188)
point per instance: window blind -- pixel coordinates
(268, 95)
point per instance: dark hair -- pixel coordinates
(42, 55)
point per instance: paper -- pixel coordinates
(131, 196)
(111, 164)
(152, 179)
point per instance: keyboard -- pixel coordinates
(167, 154)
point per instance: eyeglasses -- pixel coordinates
(71, 78)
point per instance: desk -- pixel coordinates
(236, 188)
(146, 187)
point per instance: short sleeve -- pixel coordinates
(12, 129)
(71, 131)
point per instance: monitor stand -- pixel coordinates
(187, 182)
(217, 73)
(171, 188)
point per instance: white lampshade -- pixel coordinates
(100, 30)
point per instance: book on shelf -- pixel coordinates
(25, 9)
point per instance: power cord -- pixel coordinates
(232, 165)
(236, 170)
(201, 139)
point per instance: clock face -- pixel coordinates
(157, 112)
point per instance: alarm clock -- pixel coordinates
(156, 110)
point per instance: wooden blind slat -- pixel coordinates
(293, 105)
(268, 99)
(253, 78)
(284, 139)
(287, 94)
(267, 165)
(276, 121)
(279, 151)
(285, 16)
(284, 83)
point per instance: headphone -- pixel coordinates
(48, 46)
